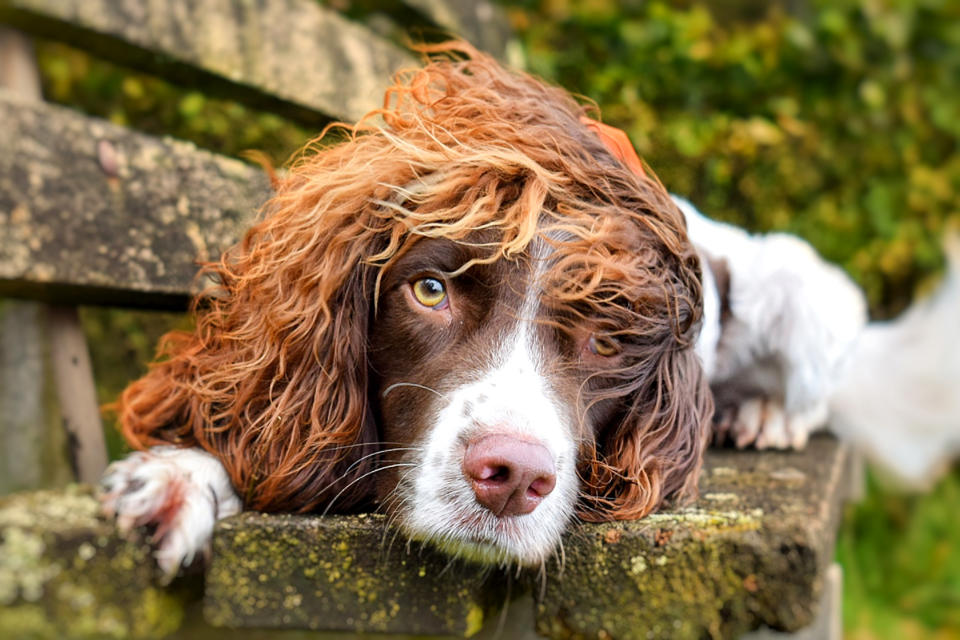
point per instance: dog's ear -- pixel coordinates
(652, 449)
(273, 380)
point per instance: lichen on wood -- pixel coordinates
(342, 573)
(94, 213)
(753, 550)
(66, 573)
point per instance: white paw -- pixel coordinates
(765, 424)
(179, 493)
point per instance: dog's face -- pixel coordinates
(472, 316)
(492, 392)
(482, 391)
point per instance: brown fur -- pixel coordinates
(275, 378)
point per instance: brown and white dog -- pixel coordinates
(471, 316)
(482, 317)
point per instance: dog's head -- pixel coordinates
(470, 314)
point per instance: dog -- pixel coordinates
(788, 350)
(482, 316)
(471, 315)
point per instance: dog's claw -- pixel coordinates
(765, 424)
(179, 493)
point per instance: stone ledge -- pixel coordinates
(752, 551)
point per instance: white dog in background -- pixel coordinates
(788, 350)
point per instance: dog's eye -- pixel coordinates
(604, 346)
(430, 292)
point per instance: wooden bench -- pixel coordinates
(92, 213)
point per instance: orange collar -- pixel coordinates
(617, 143)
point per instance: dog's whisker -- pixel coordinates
(356, 480)
(373, 455)
(396, 385)
(357, 445)
(502, 618)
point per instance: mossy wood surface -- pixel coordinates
(752, 550)
(66, 573)
(291, 56)
(342, 573)
(93, 213)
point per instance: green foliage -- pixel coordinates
(841, 125)
(901, 561)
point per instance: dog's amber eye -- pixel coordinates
(430, 292)
(604, 346)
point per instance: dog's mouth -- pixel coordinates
(488, 539)
(460, 527)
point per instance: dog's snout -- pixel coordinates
(509, 476)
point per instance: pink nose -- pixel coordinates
(509, 476)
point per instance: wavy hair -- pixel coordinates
(274, 379)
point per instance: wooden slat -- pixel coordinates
(92, 581)
(754, 550)
(343, 574)
(93, 213)
(76, 393)
(291, 56)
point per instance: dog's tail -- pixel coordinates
(899, 402)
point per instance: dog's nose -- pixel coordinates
(509, 476)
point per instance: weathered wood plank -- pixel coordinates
(342, 573)
(76, 393)
(828, 625)
(482, 22)
(753, 550)
(33, 451)
(93, 213)
(65, 572)
(291, 56)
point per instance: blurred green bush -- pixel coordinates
(838, 120)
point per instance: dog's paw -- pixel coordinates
(179, 494)
(763, 423)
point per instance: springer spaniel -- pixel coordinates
(471, 316)
(788, 350)
(482, 317)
